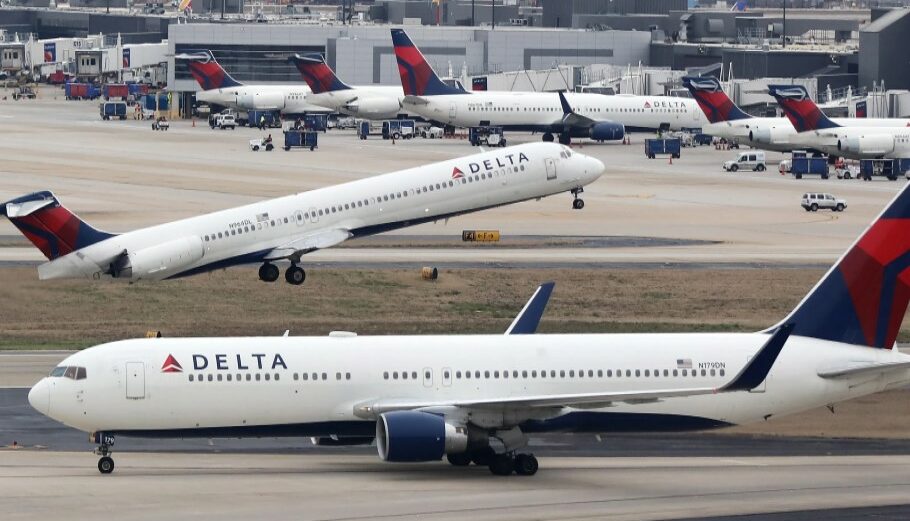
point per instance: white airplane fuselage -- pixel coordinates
(321, 218)
(288, 99)
(778, 133)
(321, 386)
(374, 102)
(542, 111)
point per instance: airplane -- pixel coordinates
(853, 138)
(477, 398)
(286, 228)
(220, 88)
(374, 102)
(732, 123)
(599, 117)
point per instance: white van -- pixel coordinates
(750, 160)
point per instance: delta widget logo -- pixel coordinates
(457, 173)
(171, 365)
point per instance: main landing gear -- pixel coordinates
(295, 275)
(499, 464)
(578, 203)
(548, 137)
(106, 462)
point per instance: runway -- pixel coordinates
(351, 487)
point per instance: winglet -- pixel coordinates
(528, 318)
(758, 368)
(566, 108)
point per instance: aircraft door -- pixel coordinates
(551, 168)
(427, 377)
(314, 218)
(135, 380)
(446, 376)
(453, 111)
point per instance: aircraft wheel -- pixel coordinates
(578, 204)
(526, 465)
(459, 460)
(268, 272)
(502, 465)
(106, 465)
(548, 137)
(295, 275)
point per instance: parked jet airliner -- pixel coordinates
(374, 102)
(286, 228)
(602, 118)
(426, 397)
(730, 122)
(852, 138)
(219, 88)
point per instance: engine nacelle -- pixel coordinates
(158, 261)
(767, 135)
(417, 436)
(874, 145)
(261, 101)
(373, 108)
(607, 131)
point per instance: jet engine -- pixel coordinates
(767, 135)
(874, 145)
(418, 436)
(607, 131)
(261, 101)
(373, 108)
(159, 261)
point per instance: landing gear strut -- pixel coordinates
(106, 462)
(268, 272)
(577, 203)
(295, 275)
(565, 139)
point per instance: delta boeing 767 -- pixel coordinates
(286, 228)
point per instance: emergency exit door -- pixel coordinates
(135, 380)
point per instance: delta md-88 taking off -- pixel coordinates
(427, 397)
(286, 228)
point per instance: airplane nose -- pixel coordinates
(40, 397)
(594, 167)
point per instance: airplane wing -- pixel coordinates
(317, 241)
(528, 318)
(570, 118)
(862, 368)
(752, 375)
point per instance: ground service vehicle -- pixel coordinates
(663, 146)
(487, 136)
(751, 160)
(113, 109)
(398, 129)
(814, 201)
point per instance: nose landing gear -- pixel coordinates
(577, 203)
(106, 462)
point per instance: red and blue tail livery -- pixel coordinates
(713, 101)
(317, 74)
(802, 112)
(417, 77)
(862, 299)
(49, 226)
(207, 71)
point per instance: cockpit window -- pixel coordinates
(69, 371)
